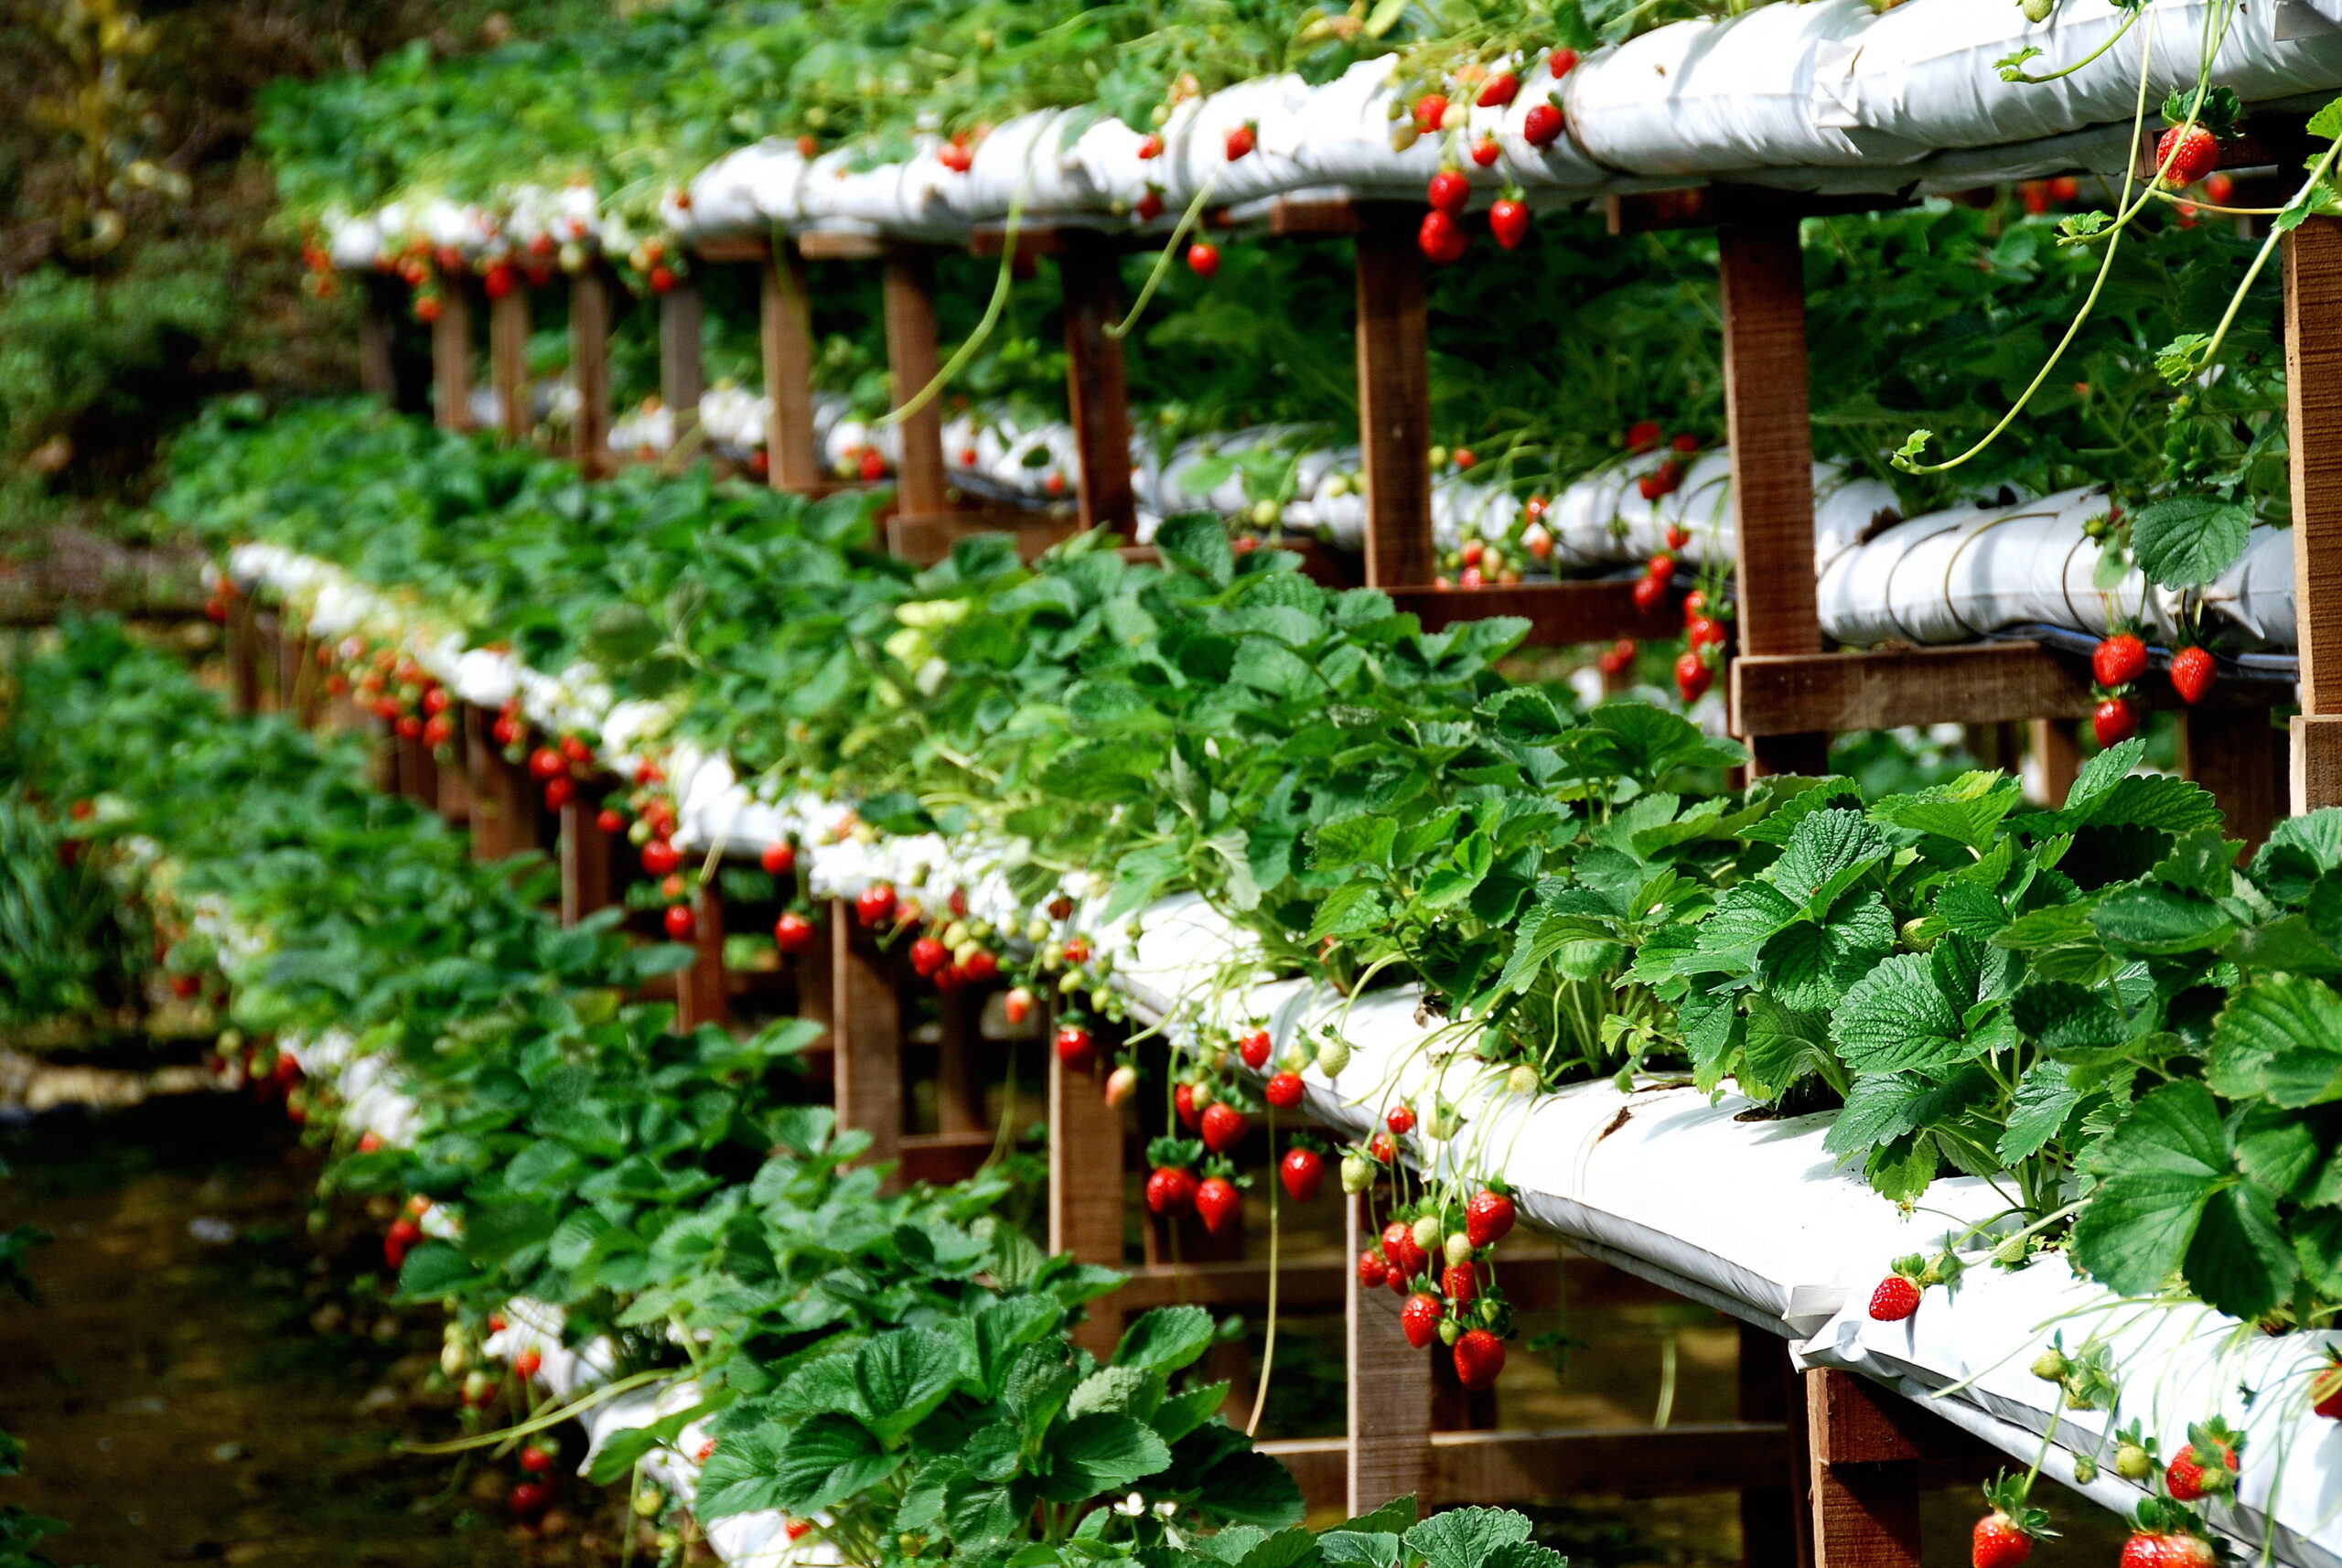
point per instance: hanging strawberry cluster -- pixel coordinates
(1444, 109)
(393, 687)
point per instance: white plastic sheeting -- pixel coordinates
(1828, 94)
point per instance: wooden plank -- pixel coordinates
(2314, 414)
(418, 771)
(1560, 613)
(1302, 217)
(503, 818)
(1773, 1515)
(939, 1158)
(1390, 1387)
(925, 540)
(682, 365)
(2234, 754)
(584, 861)
(2057, 754)
(1968, 682)
(700, 996)
(2315, 773)
(912, 362)
(589, 368)
(243, 654)
(1086, 1185)
(839, 245)
(865, 1037)
(451, 358)
(507, 359)
(1097, 382)
(1771, 436)
(958, 1095)
(454, 799)
(733, 249)
(1864, 1478)
(1394, 397)
(377, 374)
(794, 459)
(1710, 206)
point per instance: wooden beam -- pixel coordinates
(1394, 397)
(2057, 756)
(243, 654)
(2237, 753)
(793, 461)
(733, 249)
(700, 996)
(911, 358)
(1968, 682)
(1314, 217)
(959, 1096)
(451, 356)
(589, 367)
(941, 1158)
(507, 358)
(1560, 613)
(1864, 1475)
(683, 366)
(2314, 411)
(503, 811)
(1097, 382)
(1492, 1467)
(1771, 436)
(1773, 1517)
(1714, 206)
(1390, 1387)
(584, 861)
(865, 1037)
(925, 540)
(377, 374)
(839, 245)
(1085, 1185)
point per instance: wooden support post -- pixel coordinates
(295, 683)
(2237, 753)
(508, 356)
(2314, 409)
(377, 373)
(584, 863)
(683, 370)
(1773, 1519)
(793, 461)
(589, 367)
(1771, 437)
(699, 990)
(1865, 1477)
(959, 1097)
(866, 1038)
(1097, 383)
(418, 771)
(912, 361)
(243, 654)
(1085, 1185)
(1394, 398)
(2057, 757)
(1389, 1384)
(451, 358)
(502, 811)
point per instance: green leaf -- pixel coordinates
(1828, 850)
(2240, 1261)
(2162, 1165)
(903, 1375)
(1166, 1339)
(1968, 810)
(2186, 542)
(2045, 1100)
(1466, 1538)
(1101, 1452)
(435, 1269)
(826, 1460)
(2151, 919)
(1197, 542)
(2281, 1036)
(1896, 1018)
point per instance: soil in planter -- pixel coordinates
(206, 1380)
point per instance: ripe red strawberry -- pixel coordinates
(1242, 139)
(532, 1500)
(1255, 1050)
(1183, 1101)
(1148, 207)
(1449, 191)
(1285, 1091)
(779, 859)
(1076, 950)
(1619, 658)
(2119, 660)
(792, 932)
(1998, 1542)
(873, 465)
(1704, 633)
(1382, 1149)
(1499, 91)
(1479, 1357)
(533, 1458)
(874, 904)
(1678, 536)
(370, 1143)
(1169, 1189)
(498, 280)
(526, 1363)
(1461, 1283)
(662, 280)
(1017, 1005)
(187, 987)
(1896, 1299)
(706, 1451)
(402, 1234)
(1509, 222)
(954, 155)
(410, 727)
(1561, 62)
(1400, 1120)
(1485, 152)
(1302, 1171)
(1150, 145)
(661, 858)
(1419, 1319)
(1650, 593)
(2326, 1391)
(1541, 126)
(1399, 1246)
(1430, 109)
(1692, 676)
(1073, 1044)
(1203, 258)
(1372, 1269)
(546, 763)
(2157, 1549)
(2186, 154)
(1487, 1218)
(1217, 1201)
(980, 966)
(2115, 721)
(1442, 238)
(2199, 1470)
(2191, 674)
(558, 792)
(1224, 1126)
(1661, 481)
(681, 925)
(927, 955)
(427, 308)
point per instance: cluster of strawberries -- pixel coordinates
(2117, 663)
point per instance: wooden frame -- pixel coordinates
(2314, 409)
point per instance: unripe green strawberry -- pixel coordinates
(1459, 1249)
(1430, 1233)
(1521, 1080)
(2131, 1463)
(1358, 1173)
(2050, 1366)
(1332, 1058)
